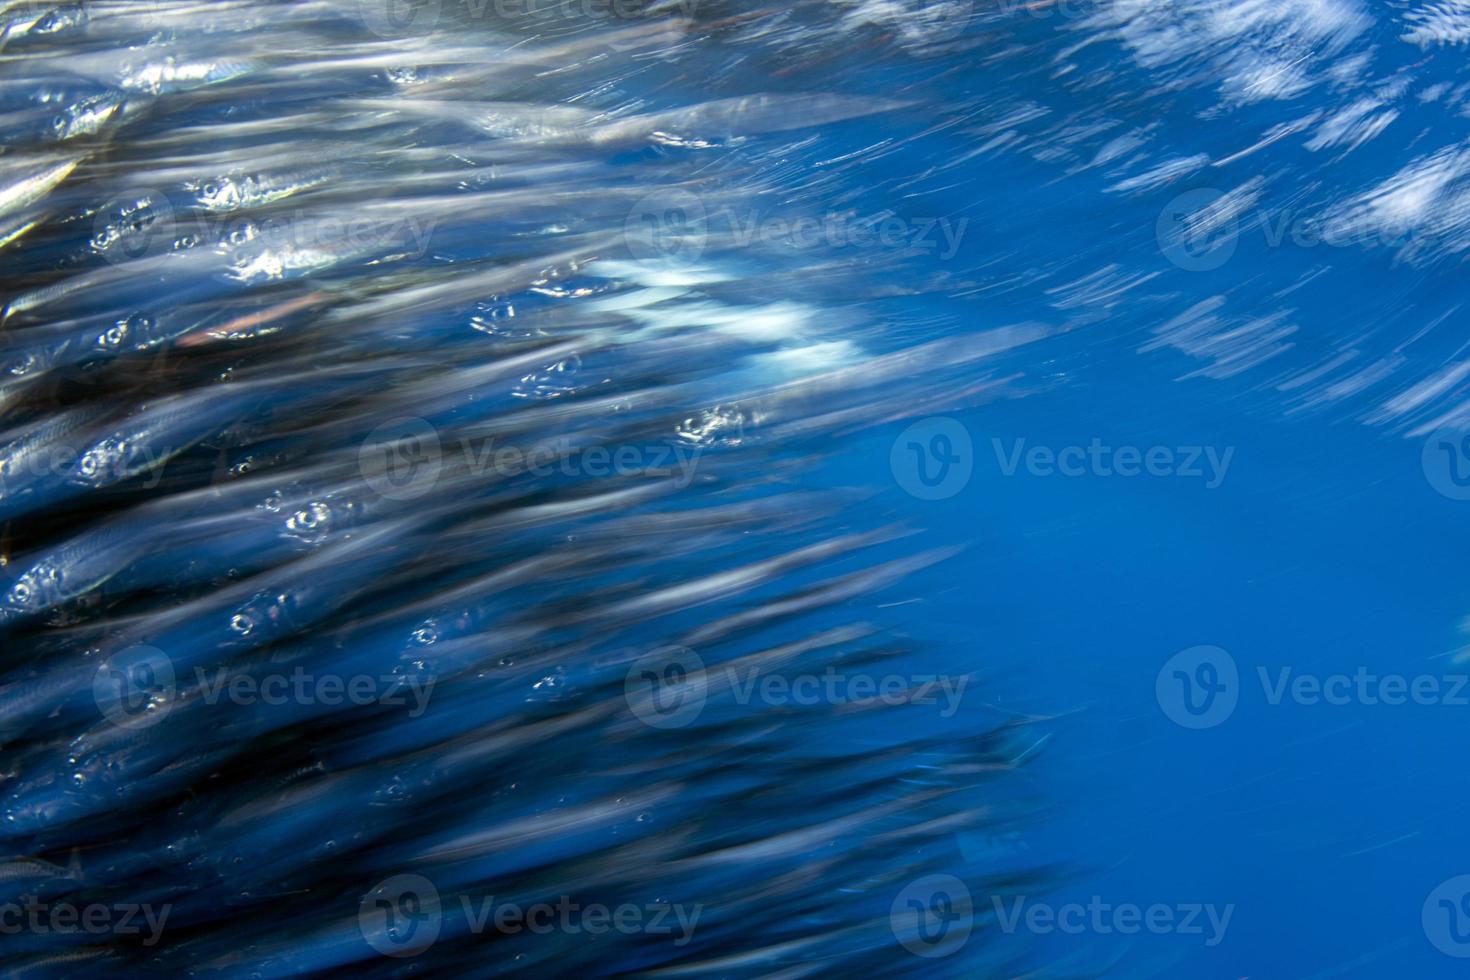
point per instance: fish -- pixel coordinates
(391, 409)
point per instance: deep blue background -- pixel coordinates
(1325, 548)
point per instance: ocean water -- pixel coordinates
(1310, 339)
(1322, 824)
(1093, 371)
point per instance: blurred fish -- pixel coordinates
(380, 394)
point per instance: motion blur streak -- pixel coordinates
(480, 354)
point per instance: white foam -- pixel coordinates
(811, 359)
(1426, 203)
(1436, 24)
(1261, 49)
(1353, 125)
(660, 274)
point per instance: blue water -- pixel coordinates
(1234, 235)
(1326, 826)
(1326, 547)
